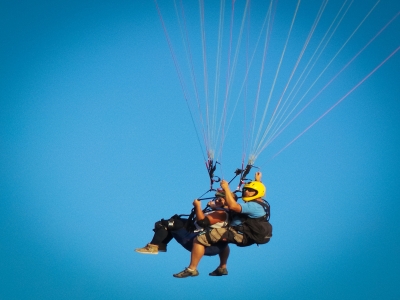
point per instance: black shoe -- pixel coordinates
(219, 272)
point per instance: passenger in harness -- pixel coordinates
(185, 230)
(254, 211)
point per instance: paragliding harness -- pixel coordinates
(183, 229)
(177, 222)
(254, 230)
(191, 219)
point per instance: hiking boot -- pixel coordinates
(162, 248)
(219, 272)
(186, 273)
(148, 249)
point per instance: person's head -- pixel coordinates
(220, 200)
(253, 190)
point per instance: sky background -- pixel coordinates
(97, 144)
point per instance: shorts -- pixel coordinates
(185, 238)
(216, 235)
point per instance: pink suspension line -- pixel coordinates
(245, 136)
(224, 111)
(205, 73)
(218, 68)
(192, 72)
(180, 77)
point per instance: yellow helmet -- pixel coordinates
(256, 186)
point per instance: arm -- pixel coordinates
(212, 218)
(198, 211)
(232, 204)
(257, 177)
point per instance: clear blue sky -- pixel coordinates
(97, 144)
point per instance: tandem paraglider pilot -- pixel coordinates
(249, 224)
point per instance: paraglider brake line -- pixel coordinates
(210, 190)
(207, 198)
(237, 173)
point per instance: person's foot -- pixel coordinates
(219, 272)
(186, 273)
(148, 249)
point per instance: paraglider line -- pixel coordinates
(179, 75)
(338, 102)
(358, 53)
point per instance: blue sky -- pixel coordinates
(97, 144)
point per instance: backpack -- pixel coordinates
(256, 230)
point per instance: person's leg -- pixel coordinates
(223, 257)
(223, 260)
(196, 255)
(199, 245)
(161, 234)
(159, 241)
